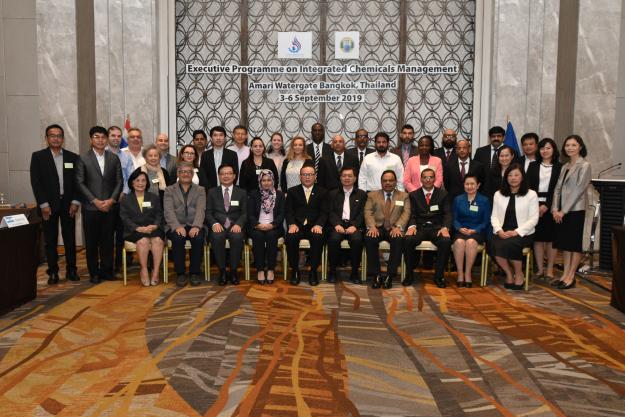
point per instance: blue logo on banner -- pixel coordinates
(296, 46)
(346, 44)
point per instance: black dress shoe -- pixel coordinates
(72, 276)
(53, 279)
(355, 279)
(234, 279)
(295, 279)
(468, 284)
(408, 281)
(440, 282)
(195, 280)
(95, 280)
(517, 287)
(564, 286)
(388, 282)
(313, 280)
(222, 278)
(460, 284)
(181, 281)
(376, 282)
(508, 285)
(555, 283)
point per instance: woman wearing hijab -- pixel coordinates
(265, 212)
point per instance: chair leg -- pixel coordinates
(402, 269)
(207, 264)
(528, 262)
(165, 265)
(363, 266)
(124, 264)
(246, 260)
(285, 264)
(324, 263)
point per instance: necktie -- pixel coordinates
(361, 156)
(428, 196)
(317, 156)
(448, 155)
(494, 160)
(227, 207)
(462, 171)
(339, 164)
(406, 156)
(307, 192)
(388, 206)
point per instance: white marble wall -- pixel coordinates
(596, 85)
(126, 64)
(618, 143)
(524, 65)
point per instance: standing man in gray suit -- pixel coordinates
(184, 204)
(226, 212)
(99, 180)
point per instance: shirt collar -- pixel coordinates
(425, 192)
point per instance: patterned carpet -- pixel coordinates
(344, 350)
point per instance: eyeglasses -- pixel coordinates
(449, 136)
(307, 174)
(185, 171)
(362, 136)
(55, 136)
(428, 178)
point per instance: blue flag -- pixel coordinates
(510, 139)
(123, 144)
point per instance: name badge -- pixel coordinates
(258, 171)
(147, 204)
(473, 208)
(155, 181)
(399, 203)
(434, 207)
(68, 165)
(234, 203)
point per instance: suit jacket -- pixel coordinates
(533, 179)
(442, 154)
(132, 216)
(170, 166)
(44, 178)
(216, 212)
(209, 169)
(326, 149)
(574, 188)
(93, 184)
(254, 202)
(177, 214)
(248, 177)
(374, 209)
(354, 153)
(357, 201)
(328, 176)
(526, 208)
(414, 151)
(438, 212)
(314, 212)
(451, 176)
(482, 154)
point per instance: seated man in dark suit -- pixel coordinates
(306, 215)
(387, 212)
(460, 165)
(430, 219)
(226, 213)
(215, 157)
(346, 220)
(184, 208)
(330, 166)
(99, 180)
(54, 186)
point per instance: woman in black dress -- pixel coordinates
(570, 200)
(514, 217)
(542, 176)
(265, 215)
(254, 164)
(142, 216)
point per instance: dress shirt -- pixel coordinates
(265, 218)
(137, 160)
(544, 177)
(527, 162)
(100, 159)
(218, 154)
(317, 147)
(373, 165)
(467, 163)
(164, 161)
(346, 212)
(242, 153)
(336, 158)
(58, 164)
(494, 150)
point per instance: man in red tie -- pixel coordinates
(447, 152)
(430, 219)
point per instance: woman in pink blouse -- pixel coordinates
(416, 164)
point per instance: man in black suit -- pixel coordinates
(405, 149)
(331, 164)
(217, 156)
(529, 143)
(318, 149)
(448, 150)
(346, 220)
(361, 149)
(306, 215)
(430, 219)
(99, 179)
(458, 167)
(226, 211)
(53, 180)
(487, 155)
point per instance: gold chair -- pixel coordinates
(345, 245)
(384, 246)
(132, 247)
(246, 256)
(529, 265)
(187, 247)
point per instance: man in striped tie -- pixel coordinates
(318, 148)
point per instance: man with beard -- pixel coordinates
(448, 150)
(405, 149)
(318, 149)
(361, 149)
(376, 163)
(488, 154)
(199, 143)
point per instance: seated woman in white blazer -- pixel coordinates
(514, 217)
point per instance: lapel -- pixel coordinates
(573, 170)
(49, 160)
(94, 162)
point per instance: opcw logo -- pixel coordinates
(346, 44)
